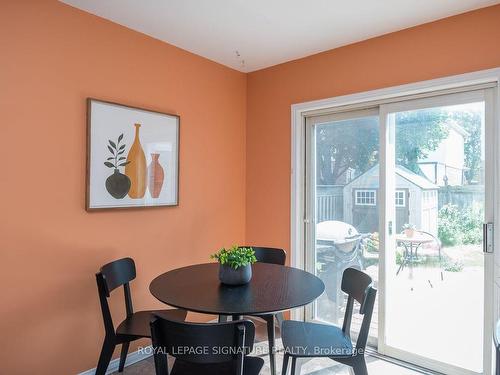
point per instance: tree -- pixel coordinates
(354, 143)
(418, 133)
(346, 144)
(471, 122)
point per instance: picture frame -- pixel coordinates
(132, 157)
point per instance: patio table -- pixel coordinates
(273, 288)
(411, 245)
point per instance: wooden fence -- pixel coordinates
(329, 203)
(461, 196)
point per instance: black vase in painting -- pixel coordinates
(118, 184)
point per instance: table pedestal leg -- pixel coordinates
(272, 342)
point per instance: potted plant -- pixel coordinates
(409, 230)
(235, 264)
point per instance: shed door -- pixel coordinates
(402, 200)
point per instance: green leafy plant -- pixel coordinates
(455, 266)
(117, 150)
(449, 228)
(458, 227)
(235, 256)
(372, 243)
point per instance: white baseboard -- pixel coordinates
(131, 359)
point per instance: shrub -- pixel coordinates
(456, 266)
(449, 226)
(472, 223)
(457, 227)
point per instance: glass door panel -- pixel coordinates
(344, 194)
(434, 294)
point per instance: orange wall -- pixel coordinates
(450, 46)
(52, 57)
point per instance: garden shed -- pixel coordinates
(416, 201)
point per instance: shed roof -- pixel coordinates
(403, 172)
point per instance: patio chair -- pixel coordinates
(436, 241)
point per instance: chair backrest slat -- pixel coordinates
(111, 276)
(270, 255)
(118, 273)
(355, 283)
(202, 342)
(358, 286)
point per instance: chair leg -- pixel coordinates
(294, 362)
(108, 347)
(279, 319)
(284, 368)
(123, 355)
(271, 341)
(359, 367)
(161, 363)
(223, 318)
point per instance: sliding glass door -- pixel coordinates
(401, 191)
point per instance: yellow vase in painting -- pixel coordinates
(136, 170)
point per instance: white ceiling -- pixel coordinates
(269, 32)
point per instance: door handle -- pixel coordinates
(488, 237)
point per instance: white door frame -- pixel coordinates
(300, 224)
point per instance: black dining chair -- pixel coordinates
(305, 339)
(273, 256)
(204, 348)
(135, 325)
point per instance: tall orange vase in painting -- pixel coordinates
(156, 176)
(136, 170)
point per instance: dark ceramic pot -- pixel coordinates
(231, 276)
(118, 184)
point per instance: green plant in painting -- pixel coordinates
(235, 256)
(117, 150)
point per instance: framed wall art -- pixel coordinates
(132, 157)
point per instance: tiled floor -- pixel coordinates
(318, 366)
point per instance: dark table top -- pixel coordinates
(273, 288)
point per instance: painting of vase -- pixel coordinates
(136, 169)
(155, 176)
(132, 157)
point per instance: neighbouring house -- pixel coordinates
(416, 201)
(446, 164)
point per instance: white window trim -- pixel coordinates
(356, 191)
(398, 191)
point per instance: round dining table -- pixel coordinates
(273, 288)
